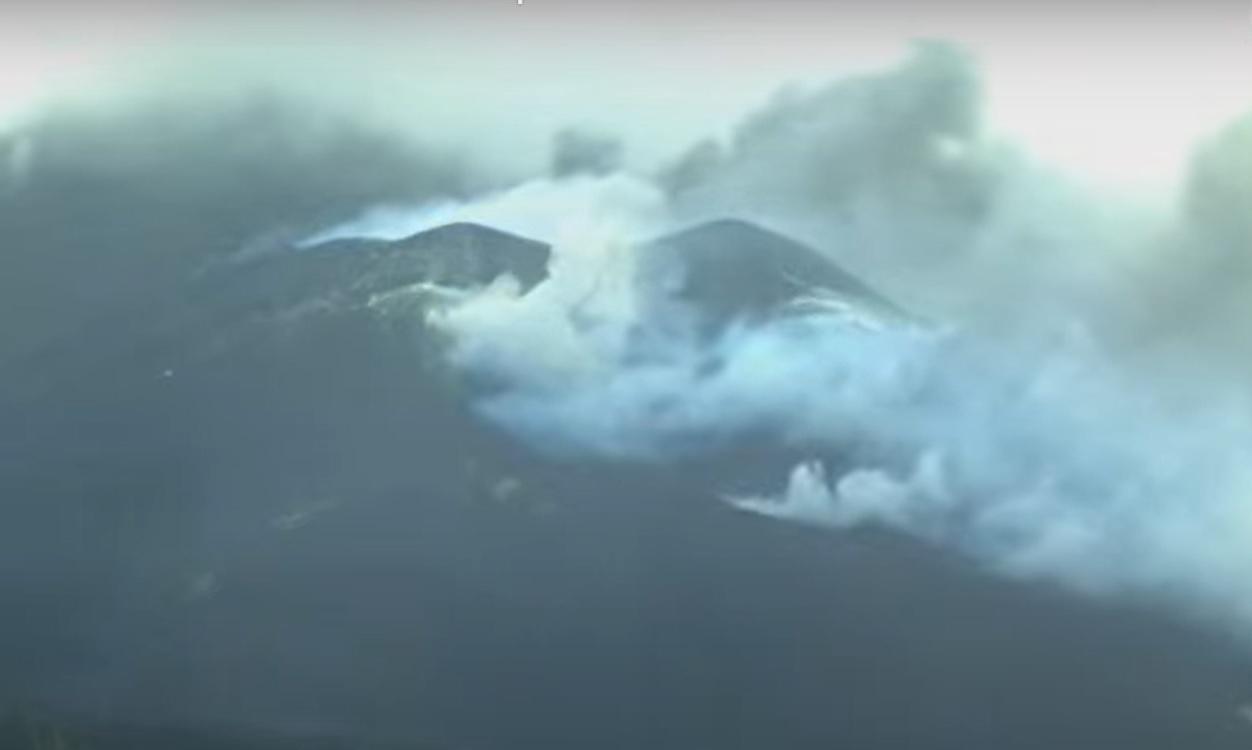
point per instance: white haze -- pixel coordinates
(538, 209)
(1039, 424)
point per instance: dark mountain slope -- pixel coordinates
(730, 268)
(270, 508)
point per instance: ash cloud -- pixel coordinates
(1032, 424)
(883, 168)
(582, 152)
(1196, 282)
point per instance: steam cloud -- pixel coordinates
(1044, 426)
(1074, 410)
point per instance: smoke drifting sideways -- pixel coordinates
(1074, 411)
(1051, 420)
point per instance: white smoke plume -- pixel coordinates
(541, 209)
(1050, 464)
(1018, 430)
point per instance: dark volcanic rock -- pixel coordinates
(732, 268)
(233, 301)
(458, 255)
(268, 509)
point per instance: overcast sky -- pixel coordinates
(1115, 92)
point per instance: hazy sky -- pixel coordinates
(1116, 92)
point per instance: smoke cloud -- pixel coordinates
(1071, 409)
(1023, 425)
(247, 479)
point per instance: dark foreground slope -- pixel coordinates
(266, 516)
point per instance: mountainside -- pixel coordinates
(460, 255)
(269, 506)
(731, 267)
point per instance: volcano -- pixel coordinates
(264, 514)
(730, 268)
